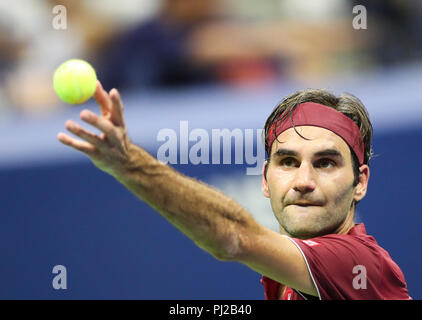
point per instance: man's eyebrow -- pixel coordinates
(329, 152)
(285, 152)
(322, 153)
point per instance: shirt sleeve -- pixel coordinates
(342, 267)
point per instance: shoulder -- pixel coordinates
(352, 266)
(344, 246)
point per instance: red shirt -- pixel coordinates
(346, 267)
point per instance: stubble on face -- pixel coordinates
(309, 222)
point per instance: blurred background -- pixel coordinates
(216, 64)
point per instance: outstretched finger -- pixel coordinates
(84, 134)
(82, 146)
(101, 123)
(102, 99)
(117, 108)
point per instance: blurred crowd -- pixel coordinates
(171, 44)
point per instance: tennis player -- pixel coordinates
(317, 171)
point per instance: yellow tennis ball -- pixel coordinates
(75, 81)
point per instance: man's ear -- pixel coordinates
(362, 186)
(264, 185)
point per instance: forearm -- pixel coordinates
(212, 220)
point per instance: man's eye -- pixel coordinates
(325, 163)
(288, 162)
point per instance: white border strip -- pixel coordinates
(307, 265)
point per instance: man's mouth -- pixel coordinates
(305, 204)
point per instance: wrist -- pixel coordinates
(136, 162)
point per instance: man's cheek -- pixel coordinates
(342, 193)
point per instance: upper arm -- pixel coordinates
(277, 257)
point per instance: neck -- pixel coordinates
(348, 223)
(345, 227)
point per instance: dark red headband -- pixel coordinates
(318, 115)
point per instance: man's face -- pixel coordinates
(310, 182)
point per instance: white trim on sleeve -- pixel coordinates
(307, 265)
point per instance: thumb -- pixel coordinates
(102, 99)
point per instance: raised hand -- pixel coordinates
(109, 151)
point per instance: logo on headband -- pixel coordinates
(270, 133)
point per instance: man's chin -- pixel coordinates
(308, 230)
(299, 214)
(305, 224)
(301, 233)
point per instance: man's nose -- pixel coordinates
(304, 180)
